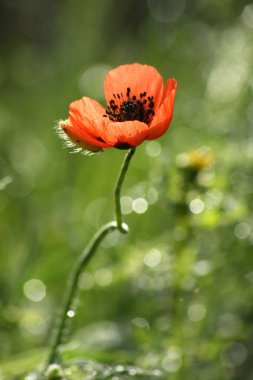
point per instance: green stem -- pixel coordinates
(79, 266)
(83, 261)
(121, 226)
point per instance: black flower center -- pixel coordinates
(133, 108)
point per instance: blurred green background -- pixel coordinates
(176, 293)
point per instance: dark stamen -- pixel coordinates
(131, 109)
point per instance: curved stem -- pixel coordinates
(84, 259)
(122, 227)
(79, 266)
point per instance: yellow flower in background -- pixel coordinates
(201, 158)
(197, 159)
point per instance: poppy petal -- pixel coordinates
(136, 77)
(122, 134)
(162, 118)
(85, 114)
(170, 85)
(83, 111)
(79, 137)
(80, 125)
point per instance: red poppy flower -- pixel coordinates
(139, 107)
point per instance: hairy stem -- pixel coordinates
(83, 260)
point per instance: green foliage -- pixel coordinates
(176, 293)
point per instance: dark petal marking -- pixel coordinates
(122, 145)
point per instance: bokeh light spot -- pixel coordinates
(140, 205)
(120, 368)
(91, 82)
(197, 206)
(34, 290)
(231, 81)
(152, 195)
(33, 323)
(196, 312)
(70, 313)
(182, 160)
(202, 267)
(152, 258)
(233, 354)
(126, 203)
(242, 230)
(86, 281)
(163, 323)
(172, 362)
(153, 148)
(103, 277)
(140, 322)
